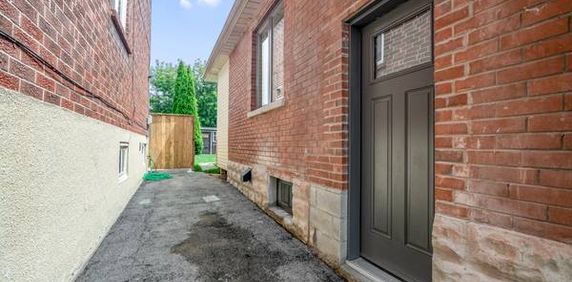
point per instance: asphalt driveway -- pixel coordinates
(195, 227)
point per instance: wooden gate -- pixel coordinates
(171, 143)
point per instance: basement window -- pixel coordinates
(270, 58)
(123, 160)
(284, 195)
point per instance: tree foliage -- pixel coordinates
(206, 95)
(185, 101)
(163, 76)
(168, 79)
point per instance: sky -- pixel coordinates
(186, 29)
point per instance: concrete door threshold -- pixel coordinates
(364, 271)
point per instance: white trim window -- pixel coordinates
(270, 58)
(144, 152)
(123, 160)
(120, 6)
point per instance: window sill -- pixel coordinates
(267, 108)
(120, 30)
(280, 215)
(122, 178)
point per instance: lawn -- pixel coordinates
(201, 159)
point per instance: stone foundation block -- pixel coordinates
(469, 251)
(328, 222)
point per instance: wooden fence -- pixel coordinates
(171, 143)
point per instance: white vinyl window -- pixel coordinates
(123, 160)
(270, 59)
(265, 69)
(144, 152)
(120, 6)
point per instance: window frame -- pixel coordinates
(123, 165)
(143, 149)
(286, 206)
(119, 19)
(267, 27)
(120, 7)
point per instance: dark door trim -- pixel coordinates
(368, 14)
(354, 191)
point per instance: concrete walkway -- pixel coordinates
(173, 231)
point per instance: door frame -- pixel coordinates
(366, 16)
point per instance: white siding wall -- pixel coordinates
(59, 187)
(222, 117)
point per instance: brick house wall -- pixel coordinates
(289, 137)
(503, 120)
(503, 125)
(305, 140)
(79, 39)
(503, 96)
(73, 100)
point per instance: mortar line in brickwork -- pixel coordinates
(35, 56)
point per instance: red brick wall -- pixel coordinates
(80, 40)
(307, 137)
(503, 108)
(503, 114)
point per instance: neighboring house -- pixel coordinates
(429, 140)
(219, 66)
(73, 129)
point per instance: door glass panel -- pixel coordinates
(379, 50)
(404, 46)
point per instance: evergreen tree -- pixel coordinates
(185, 101)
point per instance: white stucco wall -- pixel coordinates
(59, 187)
(222, 116)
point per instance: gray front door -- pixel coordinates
(397, 142)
